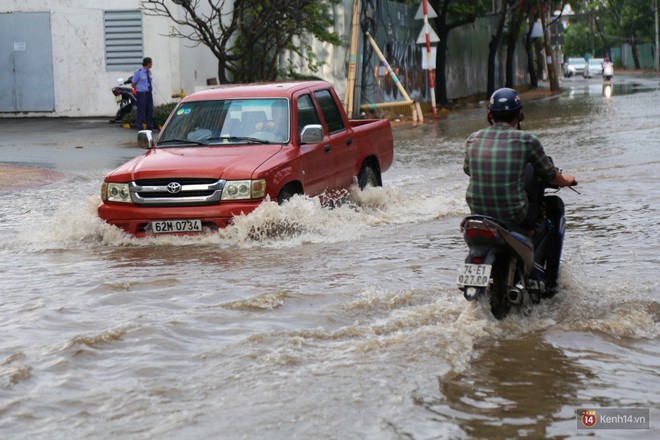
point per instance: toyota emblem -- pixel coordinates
(173, 187)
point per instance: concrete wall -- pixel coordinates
(645, 53)
(396, 29)
(82, 83)
(467, 60)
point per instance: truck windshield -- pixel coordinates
(230, 121)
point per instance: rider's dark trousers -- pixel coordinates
(535, 190)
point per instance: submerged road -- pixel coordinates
(303, 322)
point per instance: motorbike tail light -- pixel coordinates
(476, 260)
(479, 231)
(115, 92)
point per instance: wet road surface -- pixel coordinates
(307, 322)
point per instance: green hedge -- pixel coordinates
(161, 113)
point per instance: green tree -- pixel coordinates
(576, 40)
(633, 21)
(248, 37)
(586, 32)
(451, 14)
(518, 15)
(494, 44)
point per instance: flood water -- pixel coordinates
(304, 322)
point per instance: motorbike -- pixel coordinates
(125, 98)
(506, 268)
(608, 72)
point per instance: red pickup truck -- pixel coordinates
(224, 151)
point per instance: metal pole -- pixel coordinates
(657, 52)
(349, 96)
(386, 104)
(428, 58)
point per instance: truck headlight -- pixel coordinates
(244, 189)
(115, 192)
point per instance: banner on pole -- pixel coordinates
(425, 64)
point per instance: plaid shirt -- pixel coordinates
(495, 160)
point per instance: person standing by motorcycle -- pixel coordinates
(508, 166)
(142, 83)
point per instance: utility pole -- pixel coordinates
(657, 52)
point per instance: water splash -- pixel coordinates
(71, 224)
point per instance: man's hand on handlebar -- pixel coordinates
(562, 180)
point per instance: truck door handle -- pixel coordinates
(327, 148)
(349, 141)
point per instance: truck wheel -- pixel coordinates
(368, 177)
(285, 194)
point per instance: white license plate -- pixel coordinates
(118, 98)
(474, 275)
(171, 226)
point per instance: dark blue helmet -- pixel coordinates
(504, 100)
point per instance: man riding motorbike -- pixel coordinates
(608, 69)
(509, 169)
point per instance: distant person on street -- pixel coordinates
(142, 83)
(607, 63)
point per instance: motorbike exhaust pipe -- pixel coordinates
(515, 295)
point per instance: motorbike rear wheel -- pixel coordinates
(497, 291)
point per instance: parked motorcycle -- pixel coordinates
(608, 72)
(506, 268)
(125, 98)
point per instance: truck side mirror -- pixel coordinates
(311, 134)
(145, 139)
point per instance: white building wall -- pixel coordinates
(82, 83)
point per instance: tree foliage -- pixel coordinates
(576, 40)
(248, 37)
(632, 20)
(451, 14)
(602, 24)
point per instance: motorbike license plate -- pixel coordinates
(476, 275)
(173, 226)
(118, 98)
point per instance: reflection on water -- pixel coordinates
(606, 89)
(513, 388)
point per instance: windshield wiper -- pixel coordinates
(180, 141)
(237, 139)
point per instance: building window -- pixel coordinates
(123, 40)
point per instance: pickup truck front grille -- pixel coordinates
(176, 192)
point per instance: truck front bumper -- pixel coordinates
(136, 220)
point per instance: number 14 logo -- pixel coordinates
(588, 418)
